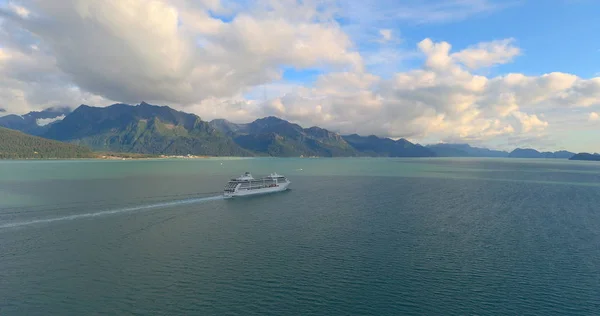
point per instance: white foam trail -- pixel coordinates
(109, 212)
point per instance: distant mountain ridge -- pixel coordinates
(464, 150)
(532, 153)
(586, 156)
(34, 123)
(151, 129)
(276, 137)
(376, 146)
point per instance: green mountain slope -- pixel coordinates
(16, 145)
(276, 137)
(145, 128)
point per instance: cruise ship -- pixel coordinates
(246, 185)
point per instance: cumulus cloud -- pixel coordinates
(529, 122)
(30, 80)
(442, 100)
(488, 54)
(128, 49)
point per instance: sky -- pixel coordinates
(501, 74)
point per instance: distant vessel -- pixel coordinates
(247, 185)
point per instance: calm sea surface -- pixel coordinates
(352, 237)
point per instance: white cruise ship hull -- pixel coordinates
(243, 192)
(245, 185)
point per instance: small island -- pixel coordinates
(586, 156)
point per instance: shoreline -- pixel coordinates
(113, 157)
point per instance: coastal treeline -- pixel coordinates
(17, 145)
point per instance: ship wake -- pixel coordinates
(112, 212)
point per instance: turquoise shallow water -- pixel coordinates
(352, 237)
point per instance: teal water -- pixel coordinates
(352, 237)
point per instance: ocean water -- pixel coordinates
(351, 237)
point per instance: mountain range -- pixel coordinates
(34, 123)
(273, 136)
(151, 129)
(155, 129)
(145, 129)
(465, 150)
(376, 146)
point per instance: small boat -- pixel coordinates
(246, 185)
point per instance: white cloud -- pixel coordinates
(46, 121)
(593, 116)
(529, 122)
(32, 81)
(488, 54)
(437, 54)
(19, 10)
(443, 100)
(386, 35)
(129, 49)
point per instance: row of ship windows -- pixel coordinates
(253, 188)
(257, 183)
